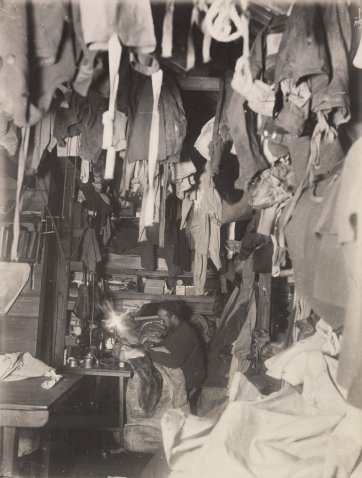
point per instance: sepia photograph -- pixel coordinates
(180, 238)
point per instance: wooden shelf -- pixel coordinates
(200, 304)
(161, 297)
(129, 295)
(198, 83)
(77, 266)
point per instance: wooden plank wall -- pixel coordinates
(19, 327)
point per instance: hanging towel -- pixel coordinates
(114, 59)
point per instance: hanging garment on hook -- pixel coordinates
(114, 59)
(198, 11)
(52, 60)
(173, 122)
(132, 21)
(315, 46)
(8, 134)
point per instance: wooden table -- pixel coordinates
(25, 404)
(108, 371)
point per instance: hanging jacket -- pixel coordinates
(28, 81)
(264, 52)
(84, 118)
(172, 120)
(315, 46)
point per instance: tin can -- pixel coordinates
(88, 362)
(73, 362)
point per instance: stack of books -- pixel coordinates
(28, 241)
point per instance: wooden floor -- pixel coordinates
(80, 454)
(78, 451)
(77, 445)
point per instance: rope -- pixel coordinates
(167, 29)
(25, 133)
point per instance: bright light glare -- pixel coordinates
(116, 321)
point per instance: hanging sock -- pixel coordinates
(206, 46)
(153, 146)
(191, 56)
(167, 30)
(23, 152)
(206, 43)
(84, 171)
(114, 56)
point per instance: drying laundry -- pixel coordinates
(180, 192)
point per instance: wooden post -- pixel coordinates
(63, 262)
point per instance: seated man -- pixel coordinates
(183, 345)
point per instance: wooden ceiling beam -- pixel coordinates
(198, 83)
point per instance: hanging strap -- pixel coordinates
(206, 46)
(242, 79)
(191, 55)
(153, 146)
(114, 58)
(221, 16)
(164, 185)
(206, 43)
(23, 152)
(167, 30)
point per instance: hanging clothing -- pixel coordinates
(90, 255)
(132, 21)
(172, 120)
(8, 135)
(319, 271)
(299, 149)
(315, 46)
(51, 62)
(43, 140)
(241, 126)
(150, 250)
(202, 219)
(347, 226)
(84, 118)
(264, 52)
